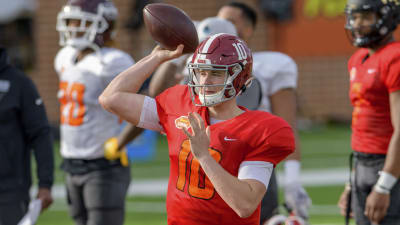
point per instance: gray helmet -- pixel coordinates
(387, 12)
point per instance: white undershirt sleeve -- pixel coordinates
(256, 170)
(149, 116)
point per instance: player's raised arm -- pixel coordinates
(120, 95)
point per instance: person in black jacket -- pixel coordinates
(23, 127)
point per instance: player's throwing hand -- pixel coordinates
(165, 54)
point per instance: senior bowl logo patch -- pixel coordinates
(182, 122)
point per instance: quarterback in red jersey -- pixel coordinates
(375, 95)
(371, 82)
(221, 155)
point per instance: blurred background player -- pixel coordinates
(96, 185)
(220, 164)
(24, 128)
(375, 95)
(277, 76)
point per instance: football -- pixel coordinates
(170, 26)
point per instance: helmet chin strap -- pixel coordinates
(211, 100)
(246, 85)
(78, 43)
(82, 44)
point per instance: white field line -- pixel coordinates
(321, 177)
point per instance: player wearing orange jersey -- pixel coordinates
(375, 95)
(221, 155)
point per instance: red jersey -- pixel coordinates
(372, 79)
(251, 136)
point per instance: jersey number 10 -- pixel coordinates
(195, 188)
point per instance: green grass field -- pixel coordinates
(151, 210)
(323, 147)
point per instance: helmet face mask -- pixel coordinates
(94, 18)
(221, 91)
(220, 52)
(385, 21)
(368, 22)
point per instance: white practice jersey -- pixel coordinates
(85, 125)
(275, 71)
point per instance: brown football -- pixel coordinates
(170, 26)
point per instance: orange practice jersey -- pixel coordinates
(371, 82)
(251, 136)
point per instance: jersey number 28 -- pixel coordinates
(71, 99)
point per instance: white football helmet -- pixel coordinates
(95, 17)
(214, 25)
